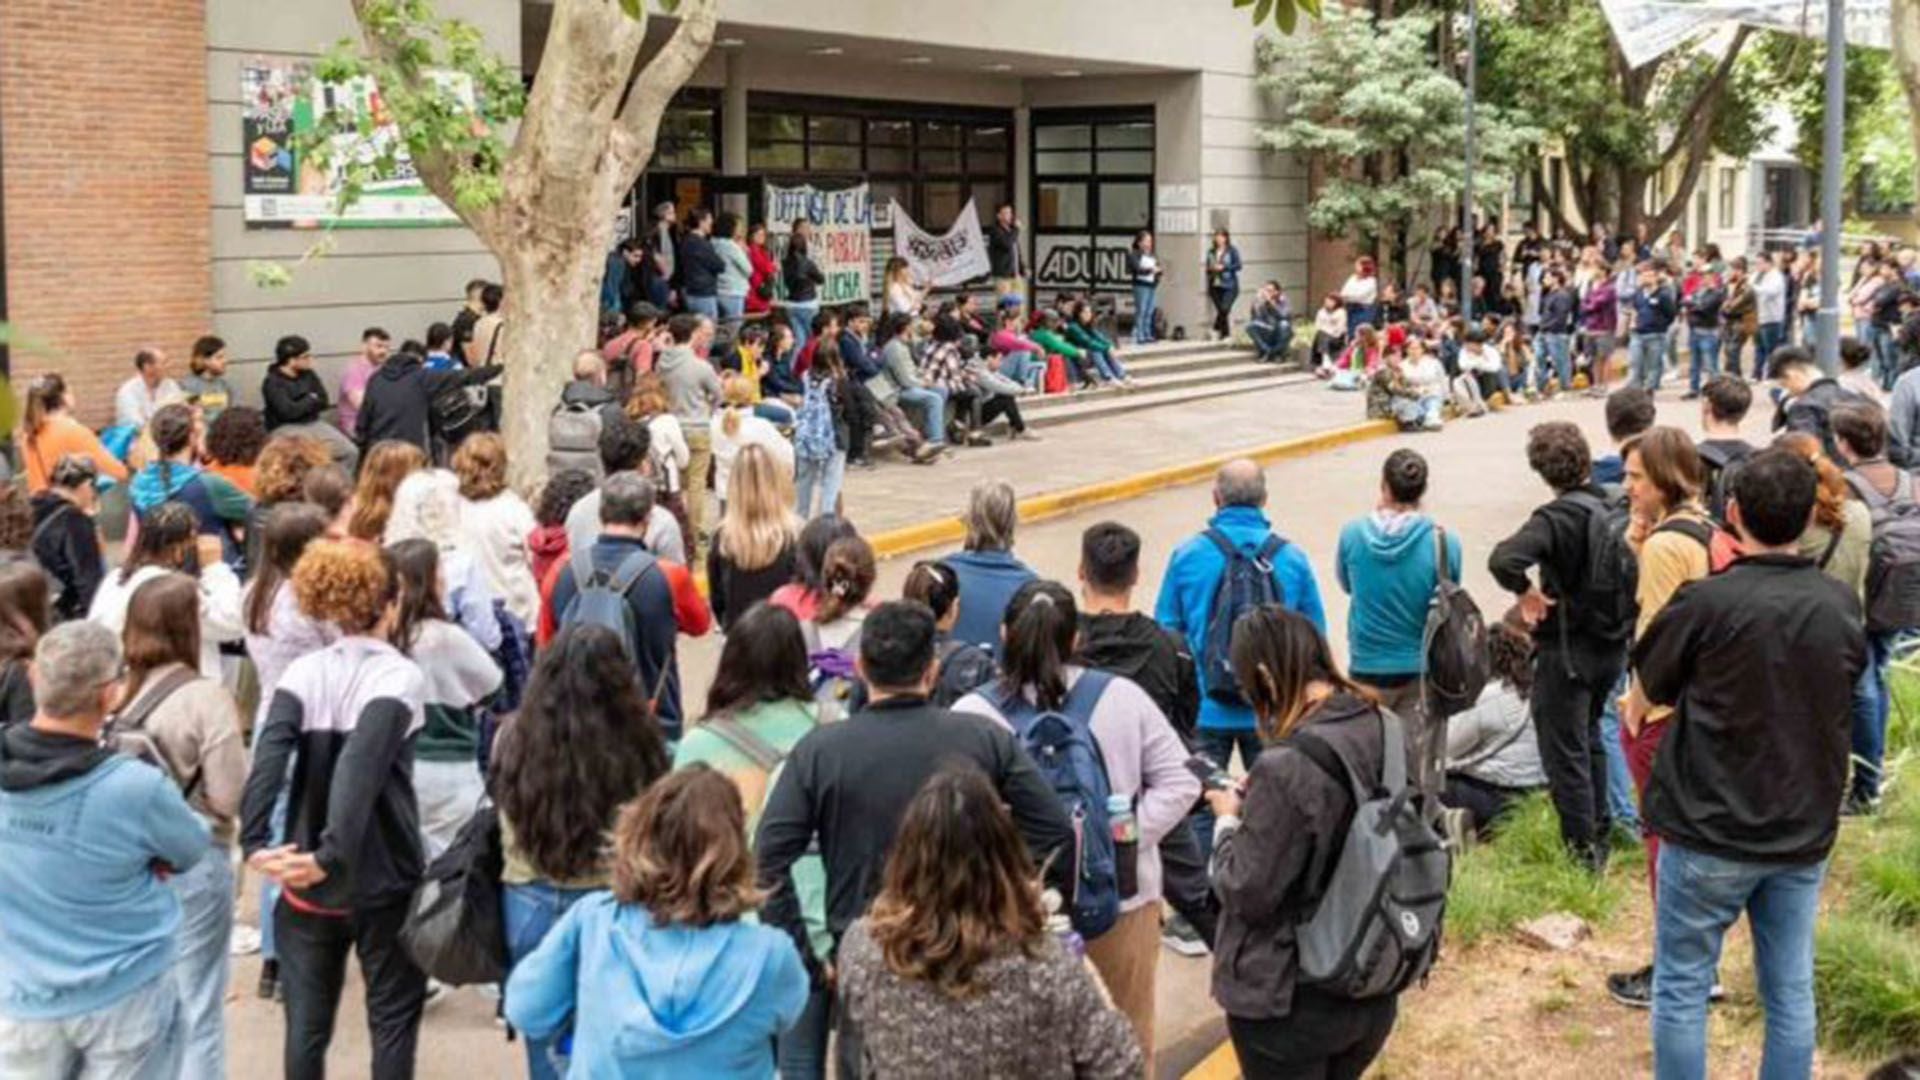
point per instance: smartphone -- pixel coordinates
(1212, 777)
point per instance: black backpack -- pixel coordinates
(1456, 665)
(455, 929)
(1246, 583)
(1605, 603)
(1722, 461)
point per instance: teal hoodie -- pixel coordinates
(643, 999)
(1386, 563)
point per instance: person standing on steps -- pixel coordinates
(803, 280)
(1223, 281)
(1145, 271)
(1005, 261)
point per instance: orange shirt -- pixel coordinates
(240, 476)
(60, 436)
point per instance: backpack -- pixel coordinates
(602, 598)
(455, 928)
(813, 432)
(127, 731)
(1893, 562)
(1246, 583)
(1723, 548)
(1721, 462)
(836, 683)
(1453, 648)
(1063, 747)
(458, 412)
(1606, 601)
(1377, 928)
(573, 439)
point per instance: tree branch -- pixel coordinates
(1550, 197)
(1706, 101)
(435, 167)
(1700, 150)
(1583, 191)
(638, 123)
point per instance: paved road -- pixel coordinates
(1481, 489)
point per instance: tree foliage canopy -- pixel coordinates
(1358, 89)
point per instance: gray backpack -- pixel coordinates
(1893, 562)
(1376, 930)
(573, 439)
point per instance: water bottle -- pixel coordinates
(1126, 844)
(1061, 927)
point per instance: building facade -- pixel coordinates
(1094, 119)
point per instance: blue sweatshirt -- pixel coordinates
(84, 918)
(988, 580)
(1653, 312)
(1386, 563)
(1193, 574)
(643, 999)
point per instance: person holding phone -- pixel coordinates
(1144, 270)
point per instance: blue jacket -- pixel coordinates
(1227, 277)
(858, 358)
(1193, 574)
(652, 601)
(643, 999)
(84, 919)
(1391, 577)
(1653, 312)
(988, 580)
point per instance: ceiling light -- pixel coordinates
(1069, 73)
(730, 42)
(916, 59)
(827, 50)
(996, 67)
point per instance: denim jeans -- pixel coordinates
(733, 309)
(138, 1037)
(1872, 702)
(827, 476)
(1107, 364)
(704, 305)
(931, 404)
(1218, 744)
(776, 412)
(1771, 336)
(1704, 356)
(1556, 359)
(800, 1052)
(1271, 341)
(1647, 354)
(1143, 302)
(200, 960)
(529, 912)
(1025, 369)
(1621, 804)
(1701, 896)
(1886, 354)
(800, 317)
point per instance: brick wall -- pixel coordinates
(104, 120)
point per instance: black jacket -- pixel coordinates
(848, 784)
(1003, 250)
(1886, 304)
(1554, 539)
(1271, 871)
(399, 401)
(1812, 412)
(1703, 308)
(699, 265)
(1759, 663)
(733, 589)
(292, 399)
(1558, 309)
(67, 547)
(802, 277)
(1149, 654)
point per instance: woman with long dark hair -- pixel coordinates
(583, 744)
(1493, 753)
(760, 705)
(1145, 764)
(170, 540)
(65, 539)
(953, 963)
(188, 724)
(25, 614)
(802, 595)
(1272, 848)
(1223, 281)
(803, 279)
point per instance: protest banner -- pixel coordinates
(842, 232)
(954, 257)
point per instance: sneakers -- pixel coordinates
(1859, 806)
(1180, 936)
(1634, 989)
(245, 941)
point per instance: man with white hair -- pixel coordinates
(87, 839)
(988, 571)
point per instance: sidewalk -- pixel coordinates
(1072, 455)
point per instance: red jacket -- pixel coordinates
(765, 270)
(690, 609)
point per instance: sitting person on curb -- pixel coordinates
(1493, 755)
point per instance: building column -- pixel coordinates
(1021, 195)
(733, 116)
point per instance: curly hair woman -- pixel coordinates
(234, 442)
(339, 736)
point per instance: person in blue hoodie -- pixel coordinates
(667, 974)
(220, 508)
(87, 839)
(1186, 600)
(1388, 562)
(988, 570)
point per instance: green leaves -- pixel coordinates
(1284, 14)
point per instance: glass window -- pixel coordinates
(1126, 136)
(887, 192)
(1114, 162)
(838, 129)
(686, 140)
(1726, 197)
(882, 159)
(1125, 206)
(1061, 206)
(939, 133)
(786, 155)
(981, 161)
(987, 196)
(1063, 137)
(767, 126)
(890, 132)
(995, 137)
(941, 202)
(832, 157)
(940, 161)
(1062, 162)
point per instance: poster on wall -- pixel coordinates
(842, 235)
(1081, 262)
(956, 256)
(280, 101)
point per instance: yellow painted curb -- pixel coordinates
(1222, 1064)
(949, 530)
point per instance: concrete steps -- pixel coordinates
(1166, 373)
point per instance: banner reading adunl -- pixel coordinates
(842, 226)
(956, 256)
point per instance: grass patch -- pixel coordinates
(1866, 976)
(1524, 873)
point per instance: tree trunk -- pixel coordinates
(1906, 60)
(553, 304)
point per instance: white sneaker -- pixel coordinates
(245, 941)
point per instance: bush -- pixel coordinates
(1866, 978)
(1526, 872)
